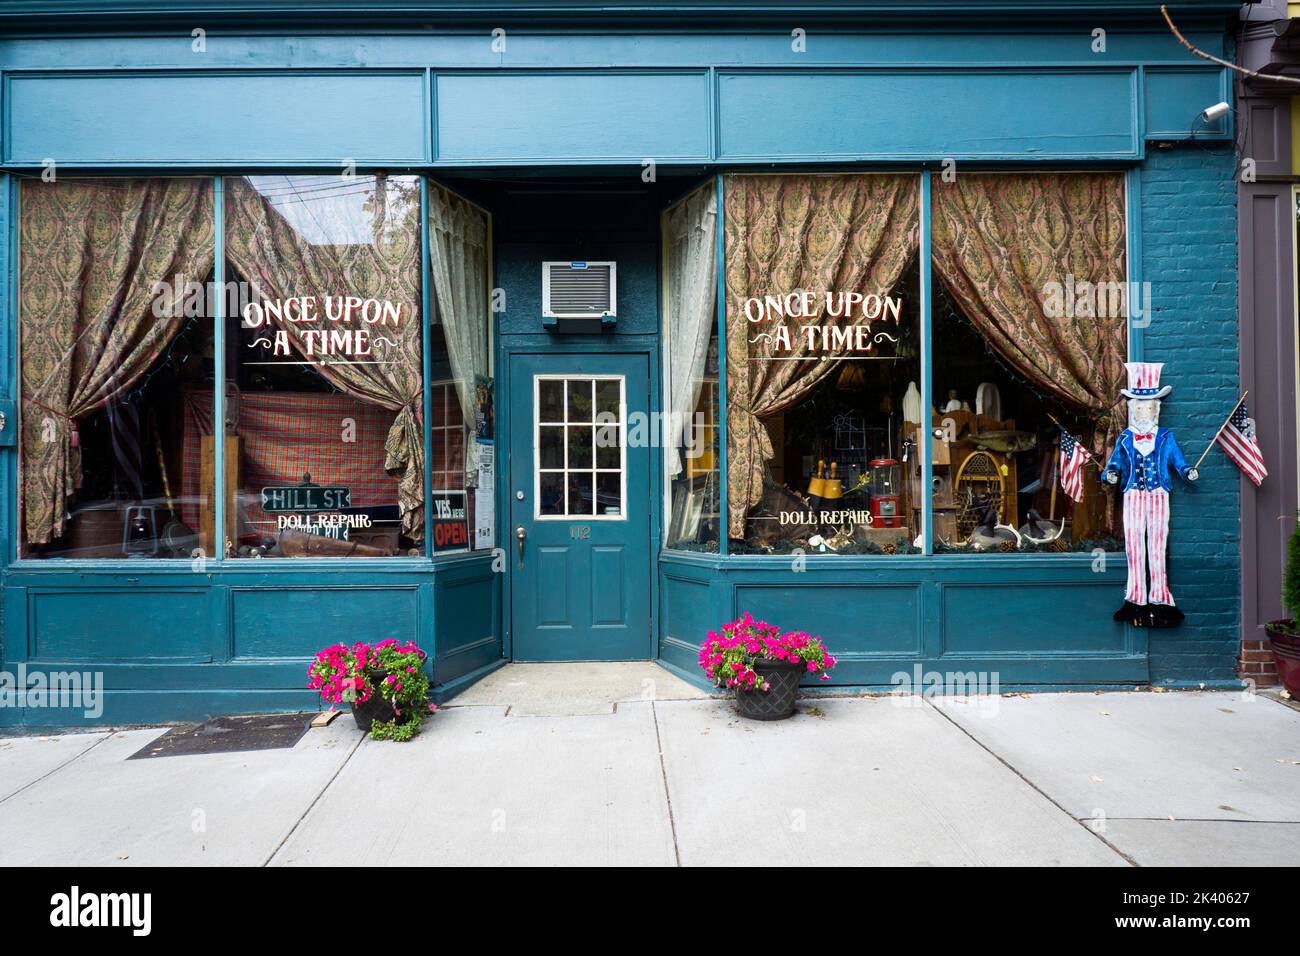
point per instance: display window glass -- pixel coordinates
(822, 359)
(462, 458)
(115, 328)
(319, 359)
(691, 359)
(1030, 335)
(324, 408)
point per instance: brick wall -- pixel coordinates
(1189, 255)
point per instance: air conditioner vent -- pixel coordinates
(578, 290)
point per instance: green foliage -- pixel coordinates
(1291, 575)
(390, 670)
(392, 730)
(405, 686)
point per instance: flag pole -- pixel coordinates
(1095, 463)
(1056, 480)
(1197, 466)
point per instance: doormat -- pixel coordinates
(223, 735)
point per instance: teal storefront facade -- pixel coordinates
(575, 130)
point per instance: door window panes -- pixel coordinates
(580, 428)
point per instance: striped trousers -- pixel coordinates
(1146, 537)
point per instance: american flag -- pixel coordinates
(1238, 439)
(1073, 457)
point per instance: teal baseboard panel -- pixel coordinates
(441, 693)
(126, 708)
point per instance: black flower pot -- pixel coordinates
(777, 702)
(376, 708)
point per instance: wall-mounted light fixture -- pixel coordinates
(1207, 116)
(1211, 113)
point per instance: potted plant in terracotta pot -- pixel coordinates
(385, 685)
(763, 665)
(1284, 636)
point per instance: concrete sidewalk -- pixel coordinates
(625, 764)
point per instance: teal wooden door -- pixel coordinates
(580, 507)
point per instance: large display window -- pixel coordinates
(822, 309)
(114, 328)
(321, 364)
(330, 349)
(826, 436)
(1030, 339)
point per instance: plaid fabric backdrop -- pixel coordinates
(285, 434)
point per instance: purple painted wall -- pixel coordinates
(1266, 228)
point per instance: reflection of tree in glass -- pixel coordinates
(340, 210)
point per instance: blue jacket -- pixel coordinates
(1147, 472)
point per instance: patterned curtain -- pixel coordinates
(690, 234)
(853, 233)
(458, 263)
(92, 255)
(280, 260)
(1001, 240)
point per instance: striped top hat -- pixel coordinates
(1144, 380)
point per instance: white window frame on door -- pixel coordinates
(538, 378)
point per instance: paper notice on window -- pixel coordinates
(484, 497)
(486, 464)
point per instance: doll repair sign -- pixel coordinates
(312, 509)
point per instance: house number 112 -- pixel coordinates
(579, 532)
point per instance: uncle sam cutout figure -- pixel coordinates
(1141, 463)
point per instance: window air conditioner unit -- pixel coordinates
(579, 296)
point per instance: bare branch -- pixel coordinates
(1249, 74)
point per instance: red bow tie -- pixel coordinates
(1137, 437)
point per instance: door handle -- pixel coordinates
(521, 535)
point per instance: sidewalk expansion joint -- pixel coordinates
(317, 799)
(53, 770)
(1035, 787)
(663, 773)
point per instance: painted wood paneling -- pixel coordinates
(671, 116)
(912, 114)
(1175, 97)
(296, 622)
(558, 117)
(208, 118)
(135, 623)
(884, 617)
(688, 606)
(728, 45)
(866, 619)
(1027, 619)
(1266, 296)
(467, 616)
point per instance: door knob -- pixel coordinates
(520, 535)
